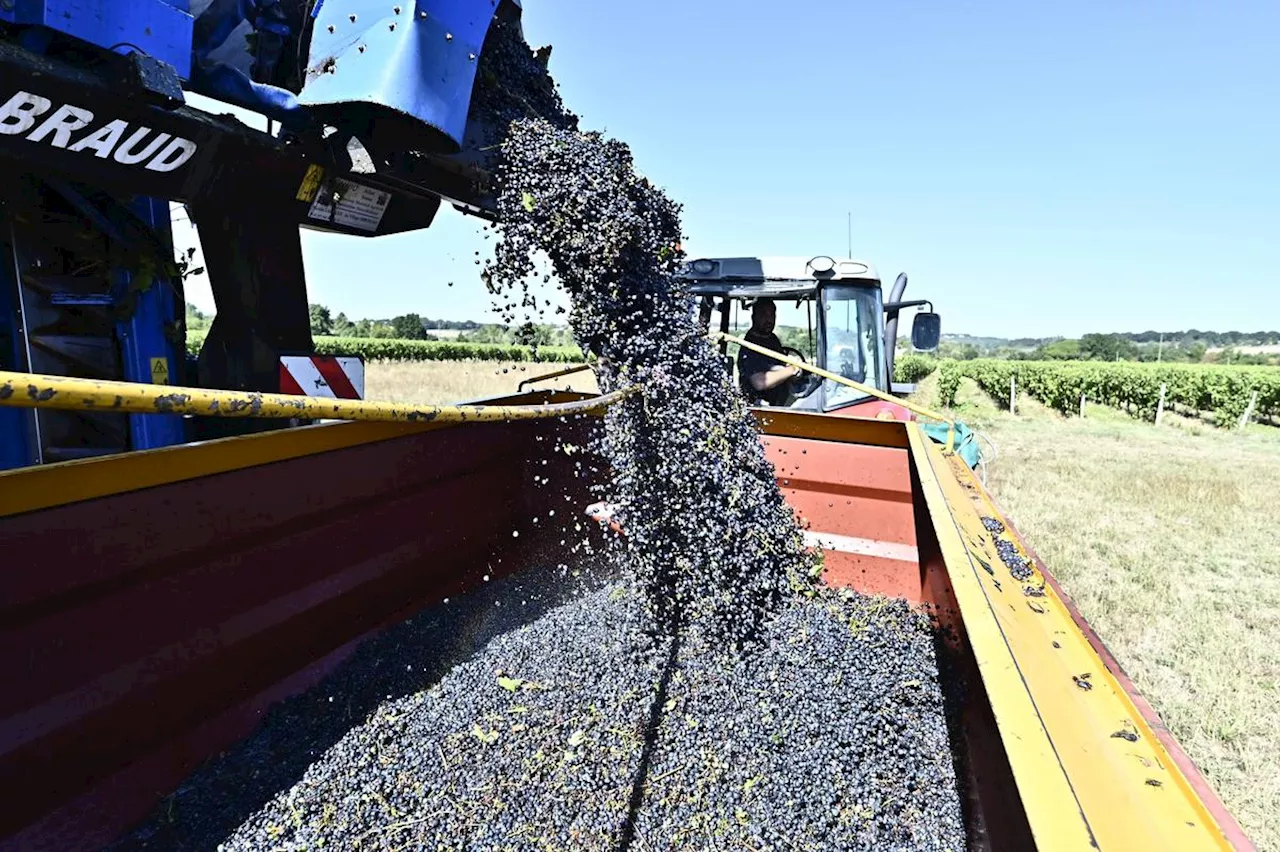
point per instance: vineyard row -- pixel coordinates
(382, 349)
(1225, 391)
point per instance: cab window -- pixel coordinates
(796, 329)
(853, 344)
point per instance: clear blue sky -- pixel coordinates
(1036, 170)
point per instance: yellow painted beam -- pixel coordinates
(567, 371)
(1089, 769)
(29, 390)
(29, 489)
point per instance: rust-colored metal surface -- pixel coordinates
(142, 631)
(854, 502)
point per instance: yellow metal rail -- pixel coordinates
(30, 390)
(867, 389)
(1092, 773)
(567, 371)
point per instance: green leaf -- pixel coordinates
(527, 200)
(519, 708)
(486, 737)
(577, 738)
(510, 684)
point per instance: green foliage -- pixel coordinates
(1060, 350)
(1225, 391)
(1107, 347)
(389, 349)
(913, 368)
(529, 334)
(409, 327)
(343, 327)
(949, 374)
(796, 338)
(196, 319)
(321, 322)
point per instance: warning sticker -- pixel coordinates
(159, 371)
(310, 183)
(358, 206)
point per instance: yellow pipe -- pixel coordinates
(567, 371)
(30, 390)
(867, 389)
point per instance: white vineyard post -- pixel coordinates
(1160, 405)
(1012, 391)
(1248, 412)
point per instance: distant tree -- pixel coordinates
(343, 327)
(451, 325)
(374, 328)
(533, 334)
(1060, 350)
(321, 322)
(409, 327)
(1106, 347)
(486, 334)
(196, 319)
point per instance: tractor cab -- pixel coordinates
(828, 312)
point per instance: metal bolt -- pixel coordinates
(331, 28)
(352, 18)
(392, 28)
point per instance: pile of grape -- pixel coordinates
(567, 724)
(707, 696)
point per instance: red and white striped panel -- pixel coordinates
(322, 375)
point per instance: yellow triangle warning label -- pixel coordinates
(159, 371)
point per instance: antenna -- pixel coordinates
(850, 250)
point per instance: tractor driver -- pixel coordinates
(765, 379)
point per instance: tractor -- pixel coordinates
(830, 313)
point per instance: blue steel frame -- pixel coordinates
(142, 337)
(159, 28)
(17, 425)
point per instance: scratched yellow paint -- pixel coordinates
(29, 489)
(1056, 705)
(310, 183)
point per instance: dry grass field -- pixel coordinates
(1167, 537)
(439, 382)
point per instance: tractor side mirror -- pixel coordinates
(926, 332)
